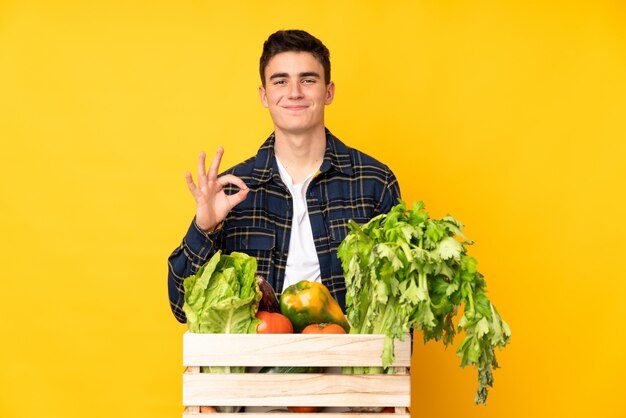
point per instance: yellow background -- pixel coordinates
(507, 115)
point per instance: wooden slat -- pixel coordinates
(254, 389)
(341, 350)
(188, 414)
(401, 371)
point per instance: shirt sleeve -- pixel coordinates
(391, 193)
(196, 248)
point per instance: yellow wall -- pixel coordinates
(508, 115)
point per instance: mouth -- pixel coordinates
(295, 108)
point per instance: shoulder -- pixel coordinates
(362, 164)
(361, 159)
(372, 177)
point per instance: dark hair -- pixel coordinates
(294, 40)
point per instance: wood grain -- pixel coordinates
(341, 350)
(314, 389)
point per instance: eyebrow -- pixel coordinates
(301, 75)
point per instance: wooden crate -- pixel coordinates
(332, 390)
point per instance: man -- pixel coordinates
(289, 205)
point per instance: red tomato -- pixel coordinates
(273, 323)
(303, 408)
(323, 329)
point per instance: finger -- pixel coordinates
(201, 169)
(231, 179)
(215, 164)
(237, 198)
(190, 183)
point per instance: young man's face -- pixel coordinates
(295, 92)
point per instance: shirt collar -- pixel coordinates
(336, 157)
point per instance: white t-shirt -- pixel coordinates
(302, 261)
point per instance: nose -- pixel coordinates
(295, 91)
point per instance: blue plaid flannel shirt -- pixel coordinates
(349, 185)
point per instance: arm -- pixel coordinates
(196, 248)
(391, 194)
(390, 197)
(202, 238)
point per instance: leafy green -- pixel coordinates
(222, 297)
(404, 270)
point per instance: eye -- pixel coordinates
(309, 81)
(280, 82)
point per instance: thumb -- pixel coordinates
(238, 197)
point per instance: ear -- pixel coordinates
(330, 93)
(263, 96)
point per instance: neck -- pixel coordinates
(300, 154)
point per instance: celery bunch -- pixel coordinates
(404, 270)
